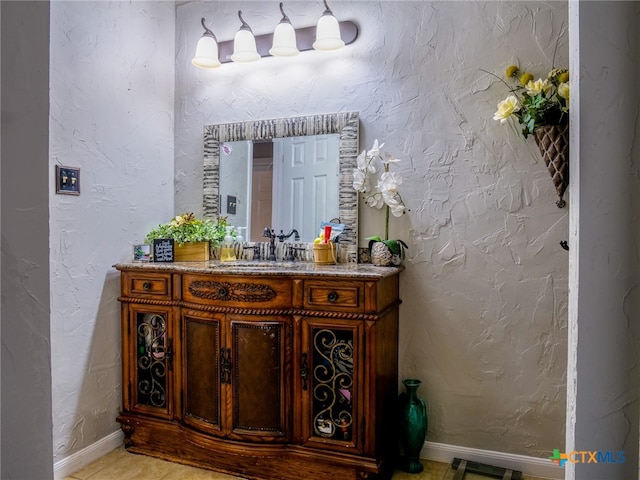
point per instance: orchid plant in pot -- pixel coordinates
(380, 186)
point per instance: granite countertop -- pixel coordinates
(243, 267)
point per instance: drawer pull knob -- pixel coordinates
(146, 286)
(222, 292)
(332, 297)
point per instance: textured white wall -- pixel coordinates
(112, 82)
(604, 303)
(26, 357)
(483, 319)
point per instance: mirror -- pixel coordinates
(239, 142)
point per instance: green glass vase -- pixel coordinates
(413, 425)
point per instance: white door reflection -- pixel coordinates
(292, 182)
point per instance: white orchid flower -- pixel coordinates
(389, 159)
(362, 160)
(375, 201)
(373, 165)
(389, 182)
(360, 180)
(397, 210)
(375, 150)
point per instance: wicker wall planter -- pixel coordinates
(553, 142)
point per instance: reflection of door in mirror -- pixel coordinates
(261, 191)
(290, 182)
(305, 176)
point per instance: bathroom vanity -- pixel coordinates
(263, 370)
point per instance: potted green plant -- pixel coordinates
(193, 237)
(380, 187)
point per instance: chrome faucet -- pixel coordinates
(271, 235)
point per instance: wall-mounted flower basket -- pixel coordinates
(553, 141)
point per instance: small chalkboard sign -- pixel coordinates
(163, 250)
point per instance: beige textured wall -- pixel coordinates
(483, 319)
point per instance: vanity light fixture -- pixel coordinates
(244, 44)
(328, 34)
(284, 38)
(207, 50)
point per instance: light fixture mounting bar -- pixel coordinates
(305, 38)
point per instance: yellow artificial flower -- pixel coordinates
(563, 91)
(560, 75)
(525, 78)
(512, 71)
(535, 87)
(506, 108)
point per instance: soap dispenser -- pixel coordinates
(226, 252)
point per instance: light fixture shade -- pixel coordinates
(244, 44)
(328, 33)
(206, 53)
(284, 41)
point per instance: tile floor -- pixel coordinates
(121, 465)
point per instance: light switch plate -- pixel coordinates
(67, 180)
(231, 205)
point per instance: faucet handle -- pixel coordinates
(256, 250)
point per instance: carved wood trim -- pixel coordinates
(227, 291)
(147, 301)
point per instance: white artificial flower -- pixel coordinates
(373, 165)
(397, 210)
(389, 159)
(375, 201)
(563, 91)
(362, 160)
(506, 108)
(375, 150)
(389, 182)
(360, 181)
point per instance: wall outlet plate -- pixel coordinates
(67, 180)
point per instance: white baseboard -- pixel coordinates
(84, 457)
(437, 452)
(531, 466)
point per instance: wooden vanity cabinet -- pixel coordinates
(235, 384)
(275, 376)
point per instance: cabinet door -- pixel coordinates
(205, 366)
(259, 384)
(148, 360)
(331, 373)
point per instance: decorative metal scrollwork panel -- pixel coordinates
(333, 384)
(152, 359)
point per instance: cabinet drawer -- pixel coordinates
(149, 285)
(237, 291)
(343, 295)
